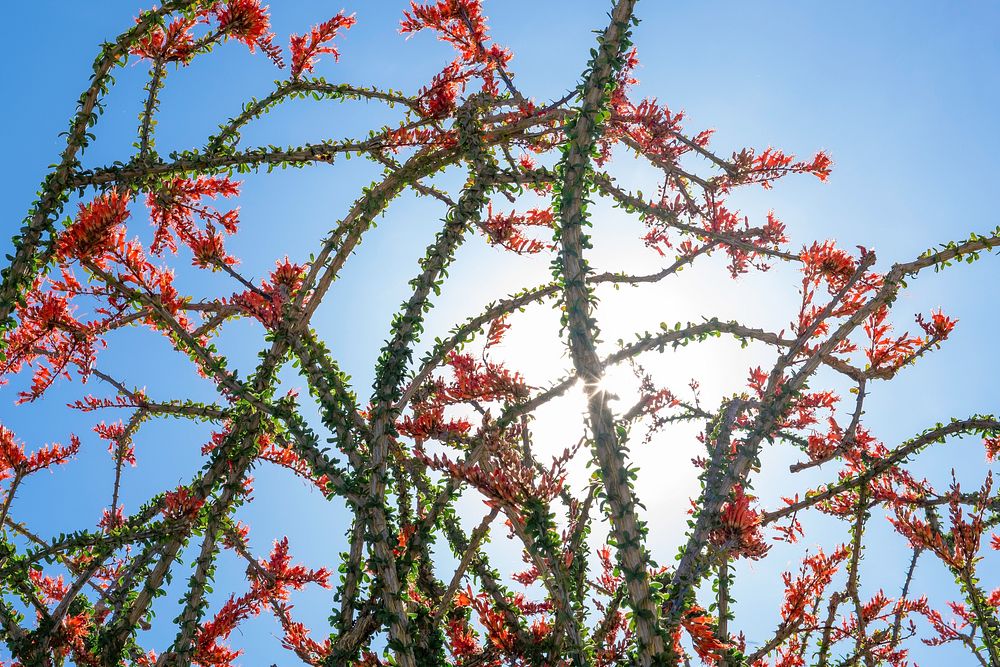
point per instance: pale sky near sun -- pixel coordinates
(903, 95)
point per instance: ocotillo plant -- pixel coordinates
(448, 419)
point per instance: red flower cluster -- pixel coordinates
(50, 590)
(112, 518)
(118, 445)
(297, 639)
(646, 126)
(96, 228)
(859, 452)
(462, 641)
(802, 591)
(885, 612)
(700, 627)
(887, 354)
(992, 446)
(480, 381)
(270, 585)
(747, 247)
(47, 333)
(722, 222)
(939, 326)
(285, 457)
(772, 164)
(739, 531)
(506, 480)
(655, 133)
(505, 229)
(885, 351)
(181, 504)
(462, 24)
(173, 209)
(71, 639)
(500, 644)
(47, 329)
(825, 264)
(961, 550)
(174, 44)
(267, 302)
(246, 21)
(307, 48)
(14, 462)
(473, 380)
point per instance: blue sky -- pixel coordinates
(902, 95)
